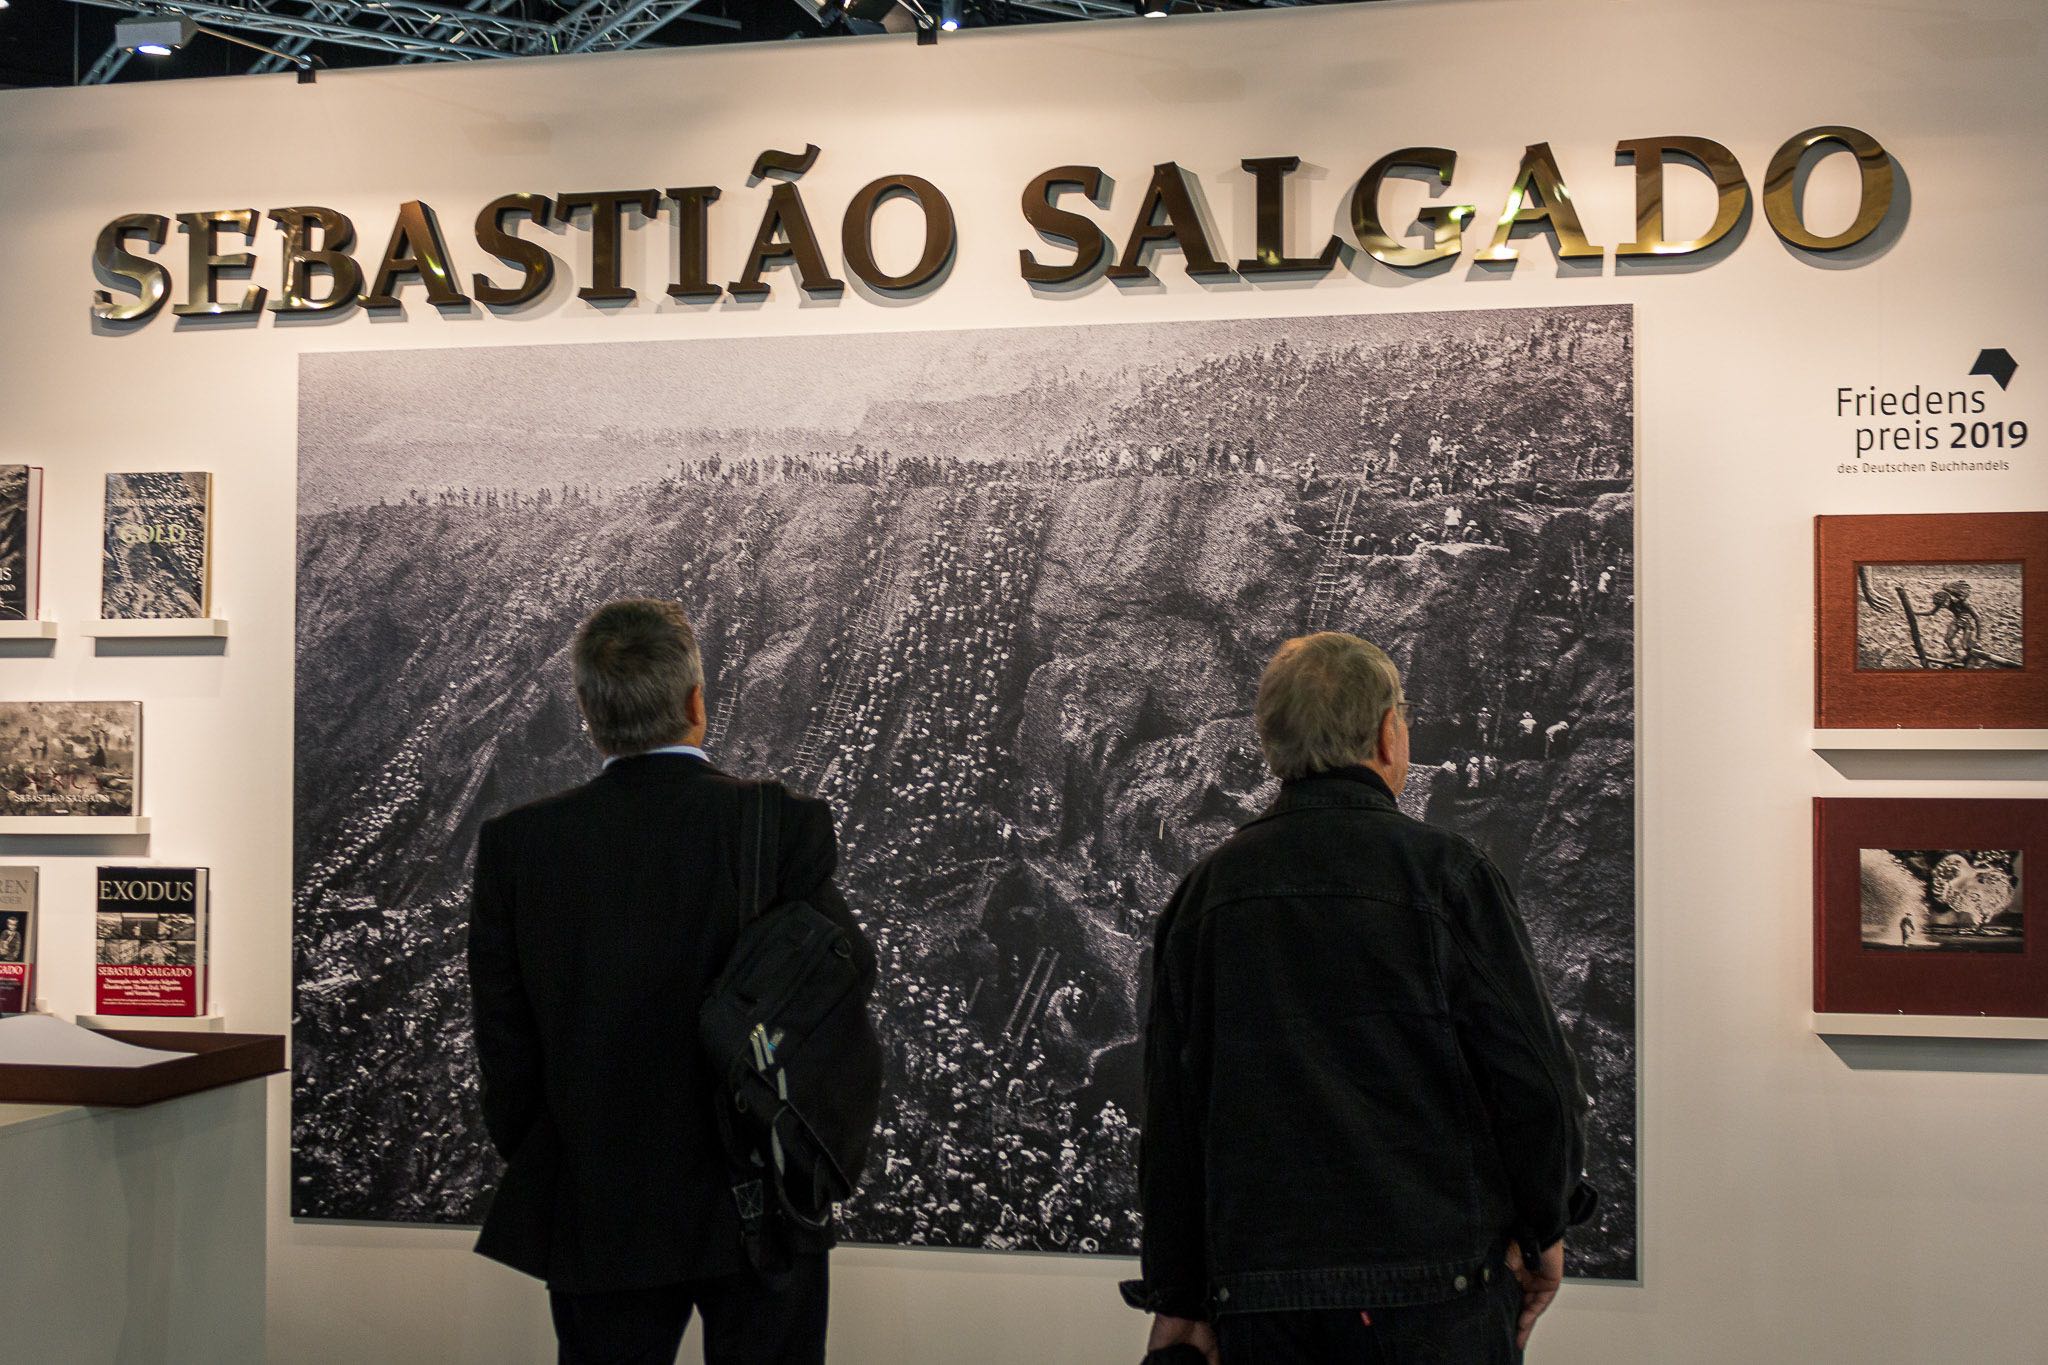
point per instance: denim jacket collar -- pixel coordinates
(1356, 785)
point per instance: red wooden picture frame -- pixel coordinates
(1852, 978)
(1990, 696)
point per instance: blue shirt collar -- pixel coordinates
(690, 749)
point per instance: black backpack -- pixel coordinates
(787, 1029)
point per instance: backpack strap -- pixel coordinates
(764, 838)
(760, 844)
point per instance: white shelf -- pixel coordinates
(1945, 740)
(28, 630)
(1930, 1026)
(157, 1023)
(174, 628)
(74, 824)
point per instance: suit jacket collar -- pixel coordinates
(655, 768)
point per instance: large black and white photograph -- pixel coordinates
(60, 758)
(1942, 900)
(1940, 616)
(1003, 598)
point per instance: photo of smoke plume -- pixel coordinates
(1003, 598)
(1942, 900)
(1936, 616)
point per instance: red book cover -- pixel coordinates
(17, 940)
(151, 931)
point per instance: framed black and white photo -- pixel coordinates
(1002, 598)
(1928, 907)
(1931, 621)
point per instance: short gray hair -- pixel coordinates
(635, 663)
(1322, 701)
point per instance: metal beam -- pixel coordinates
(1078, 9)
(108, 66)
(596, 25)
(478, 41)
(599, 32)
(477, 30)
(447, 24)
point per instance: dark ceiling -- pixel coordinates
(58, 42)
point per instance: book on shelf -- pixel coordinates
(156, 561)
(21, 542)
(70, 758)
(17, 940)
(150, 933)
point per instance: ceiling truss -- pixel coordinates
(451, 31)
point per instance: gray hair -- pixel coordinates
(635, 663)
(1322, 701)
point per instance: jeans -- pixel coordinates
(748, 1320)
(1476, 1328)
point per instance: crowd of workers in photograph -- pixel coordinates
(1426, 418)
(387, 1068)
(985, 1147)
(911, 687)
(979, 1147)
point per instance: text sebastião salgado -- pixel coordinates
(319, 274)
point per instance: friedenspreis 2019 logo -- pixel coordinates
(1962, 428)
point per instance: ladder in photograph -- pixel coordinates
(1330, 572)
(729, 675)
(721, 714)
(863, 640)
(1031, 999)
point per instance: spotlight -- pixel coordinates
(1154, 9)
(160, 36)
(155, 37)
(949, 15)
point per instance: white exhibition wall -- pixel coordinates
(1876, 1202)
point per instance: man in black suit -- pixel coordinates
(602, 916)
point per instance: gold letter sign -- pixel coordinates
(1553, 210)
(1781, 187)
(1730, 189)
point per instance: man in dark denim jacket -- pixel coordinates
(1364, 1129)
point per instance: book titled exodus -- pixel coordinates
(17, 940)
(150, 927)
(21, 541)
(155, 563)
(66, 758)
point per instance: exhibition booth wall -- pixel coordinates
(1797, 1197)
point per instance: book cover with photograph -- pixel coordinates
(66, 758)
(150, 933)
(21, 541)
(17, 940)
(155, 562)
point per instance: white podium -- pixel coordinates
(137, 1235)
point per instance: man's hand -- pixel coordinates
(1539, 1286)
(1168, 1331)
